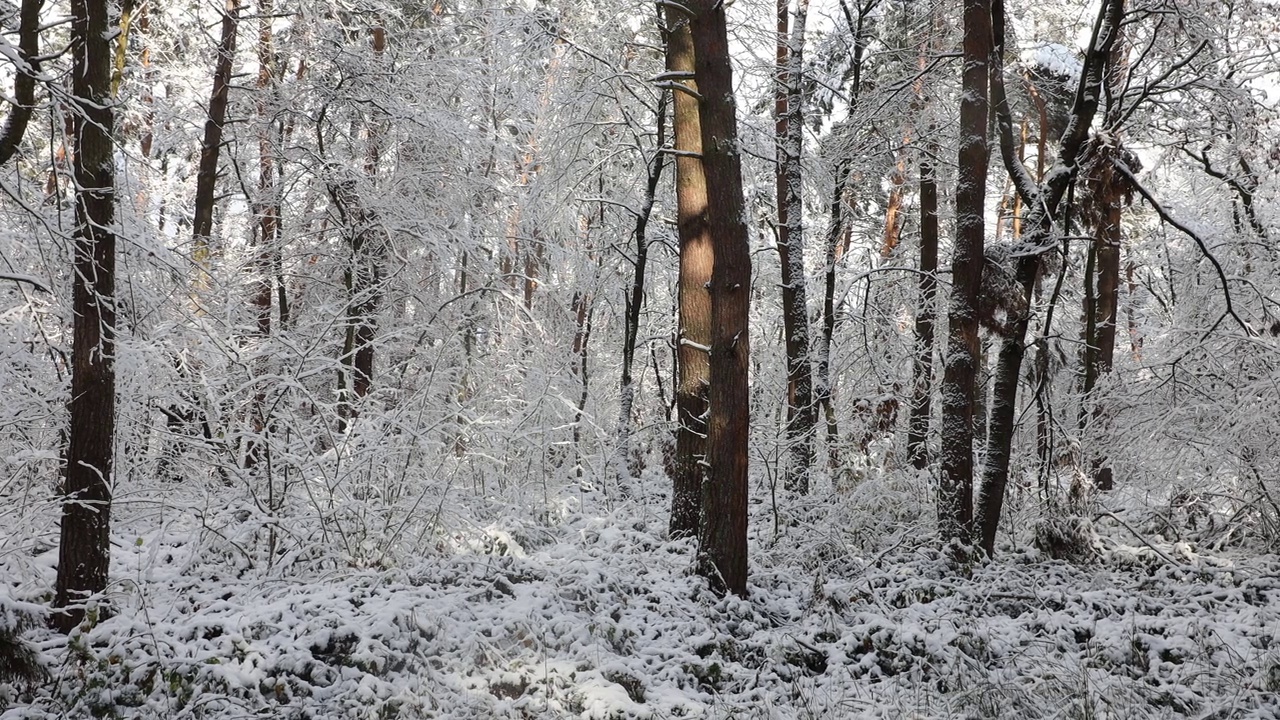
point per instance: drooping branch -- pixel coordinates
(1204, 247)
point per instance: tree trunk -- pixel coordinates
(955, 493)
(84, 550)
(24, 81)
(922, 370)
(369, 245)
(789, 119)
(635, 300)
(1104, 325)
(693, 337)
(207, 177)
(267, 228)
(1042, 202)
(722, 535)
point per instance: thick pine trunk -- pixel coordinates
(693, 363)
(84, 550)
(789, 124)
(955, 493)
(722, 551)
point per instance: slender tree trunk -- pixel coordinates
(823, 390)
(835, 241)
(722, 532)
(635, 300)
(207, 176)
(268, 203)
(84, 551)
(789, 120)
(693, 337)
(1104, 324)
(1043, 202)
(922, 370)
(267, 228)
(955, 493)
(369, 245)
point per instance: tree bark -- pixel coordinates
(24, 81)
(693, 337)
(722, 552)
(955, 492)
(635, 299)
(789, 124)
(207, 176)
(922, 370)
(84, 550)
(1042, 202)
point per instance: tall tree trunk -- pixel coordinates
(822, 390)
(268, 202)
(693, 338)
(922, 370)
(722, 532)
(955, 493)
(267, 228)
(24, 81)
(836, 239)
(635, 299)
(789, 124)
(1108, 191)
(369, 245)
(207, 176)
(1042, 202)
(84, 550)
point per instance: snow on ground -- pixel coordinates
(599, 617)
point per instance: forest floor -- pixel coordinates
(597, 616)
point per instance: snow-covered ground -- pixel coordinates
(598, 616)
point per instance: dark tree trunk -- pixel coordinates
(84, 550)
(955, 493)
(722, 535)
(267, 228)
(207, 177)
(693, 337)
(1043, 201)
(922, 370)
(789, 124)
(24, 81)
(634, 299)
(1103, 342)
(369, 246)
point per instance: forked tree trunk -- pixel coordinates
(84, 549)
(789, 124)
(1043, 201)
(955, 491)
(722, 532)
(693, 336)
(207, 176)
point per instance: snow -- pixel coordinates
(1054, 58)
(599, 617)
